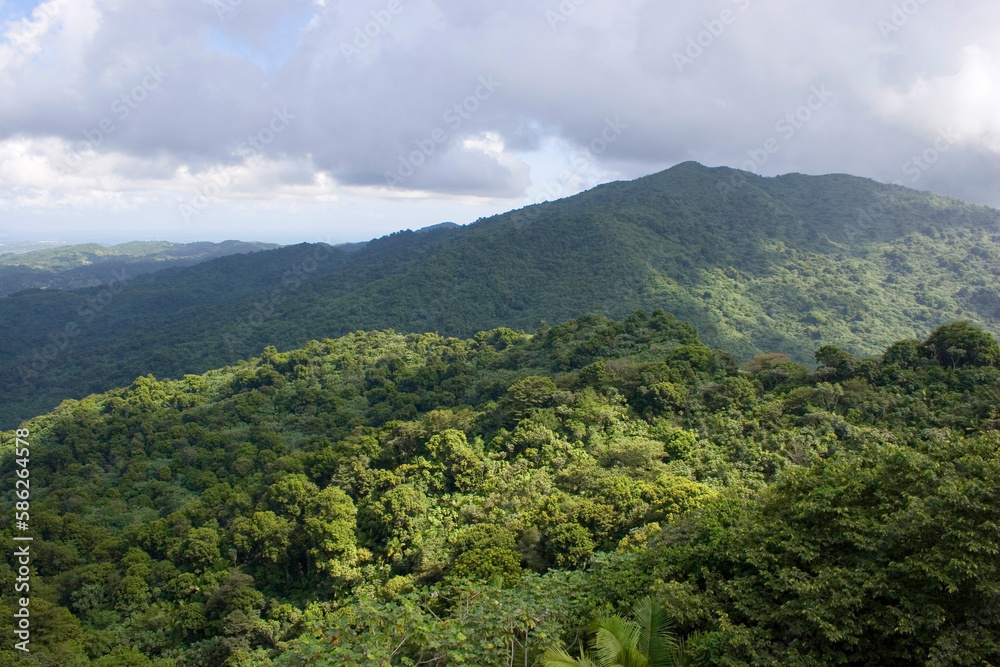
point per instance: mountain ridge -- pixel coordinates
(780, 264)
(77, 266)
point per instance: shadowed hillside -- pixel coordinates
(755, 264)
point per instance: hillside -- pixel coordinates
(18, 247)
(755, 264)
(75, 266)
(388, 499)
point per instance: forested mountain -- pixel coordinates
(386, 499)
(756, 264)
(70, 344)
(88, 265)
(19, 247)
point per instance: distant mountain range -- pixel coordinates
(65, 267)
(18, 247)
(782, 264)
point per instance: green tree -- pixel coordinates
(485, 551)
(132, 594)
(464, 464)
(962, 344)
(570, 544)
(837, 363)
(199, 549)
(529, 394)
(330, 531)
(890, 550)
(644, 641)
(291, 494)
(263, 538)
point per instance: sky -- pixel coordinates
(327, 120)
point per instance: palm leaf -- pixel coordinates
(682, 657)
(558, 657)
(632, 657)
(656, 641)
(613, 636)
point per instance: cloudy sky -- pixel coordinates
(293, 120)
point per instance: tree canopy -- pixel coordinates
(390, 499)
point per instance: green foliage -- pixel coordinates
(961, 344)
(529, 394)
(263, 537)
(415, 499)
(330, 532)
(474, 624)
(644, 641)
(571, 545)
(198, 550)
(485, 552)
(465, 465)
(76, 266)
(754, 265)
(882, 550)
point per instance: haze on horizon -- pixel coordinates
(316, 120)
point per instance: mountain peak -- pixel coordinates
(785, 264)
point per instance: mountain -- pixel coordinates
(439, 226)
(75, 266)
(19, 247)
(390, 499)
(785, 264)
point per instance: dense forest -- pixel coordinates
(757, 265)
(416, 499)
(67, 267)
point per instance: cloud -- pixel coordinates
(388, 96)
(965, 99)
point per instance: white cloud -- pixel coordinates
(73, 64)
(967, 100)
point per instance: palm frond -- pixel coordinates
(632, 657)
(656, 640)
(557, 657)
(613, 635)
(682, 656)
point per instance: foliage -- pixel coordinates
(76, 266)
(756, 265)
(961, 344)
(397, 499)
(644, 641)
